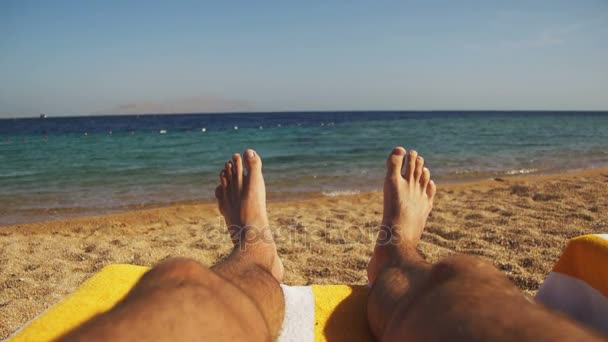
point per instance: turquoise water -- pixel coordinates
(62, 166)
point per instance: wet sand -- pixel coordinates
(520, 224)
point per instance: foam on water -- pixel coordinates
(521, 171)
(340, 193)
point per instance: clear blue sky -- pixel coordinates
(83, 57)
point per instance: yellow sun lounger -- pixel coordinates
(312, 313)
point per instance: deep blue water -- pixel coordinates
(97, 164)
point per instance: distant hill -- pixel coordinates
(198, 104)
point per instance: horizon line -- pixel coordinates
(49, 116)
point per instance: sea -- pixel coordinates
(57, 167)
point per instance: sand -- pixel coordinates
(519, 224)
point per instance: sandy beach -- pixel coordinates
(520, 224)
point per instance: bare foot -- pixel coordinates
(408, 200)
(242, 201)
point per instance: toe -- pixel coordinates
(411, 166)
(232, 193)
(238, 171)
(223, 179)
(431, 189)
(219, 195)
(229, 173)
(225, 188)
(425, 178)
(418, 169)
(252, 161)
(394, 163)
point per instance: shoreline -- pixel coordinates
(79, 213)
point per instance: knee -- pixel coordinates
(178, 270)
(459, 266)
(182, 266)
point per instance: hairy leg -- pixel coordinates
(459, 298)
(238, 299)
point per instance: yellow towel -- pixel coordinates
(341, 313)
(96, 295)
(339, 310)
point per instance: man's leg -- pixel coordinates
(459, 298)
(180, 299)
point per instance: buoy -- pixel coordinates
(203, 130)
(236, 128)
(162, 131)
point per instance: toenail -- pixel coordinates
(398, 150)
(250, 153)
